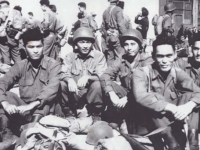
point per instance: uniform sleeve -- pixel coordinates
(109, 75)
(101, 65)
(151, 100)
(50, 91)
(66, 68)
(103, 26)
(186, 84)
(8, 81)
(137, 21)
(120, 21)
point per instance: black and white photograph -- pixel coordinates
(99, 74)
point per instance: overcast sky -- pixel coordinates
(67, 9)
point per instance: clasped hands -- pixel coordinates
(13, 109)
(182, 111)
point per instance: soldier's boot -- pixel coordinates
(193, 139)
(8, 139)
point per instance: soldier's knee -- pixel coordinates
(96, 85)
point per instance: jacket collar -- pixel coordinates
(91, 54)
(43, 63)
(155, 73)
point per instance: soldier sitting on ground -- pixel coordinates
(118, 96)
(39, 80)
(81, 71)
(168, 94)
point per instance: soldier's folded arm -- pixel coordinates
(151, 100)
(110, 74)
(50, 91)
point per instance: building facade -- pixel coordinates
(186, 13)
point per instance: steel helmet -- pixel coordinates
(132, 34)
(83, 33)
(4, 1)
(169, 7)
(113, 1)
(99, 130)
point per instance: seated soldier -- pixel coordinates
(39, 81)
(168, 94)
(132, 42)
(81, 71)
(191, 65)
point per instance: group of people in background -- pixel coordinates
(127, 93)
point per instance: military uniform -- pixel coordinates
(74, 67)
(33, 86)
(153, 93)
(113, 25)
(48, 26)
(123, 69)
(9, 45)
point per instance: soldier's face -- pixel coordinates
(34, 49)
(164, 57)
(131, 47)
(196, 51)
(43, 7)
(84, 46)
(81, 9)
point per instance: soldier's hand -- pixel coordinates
(72, 85)
(171, 108)
(83, 81)
(24, 108)
(184, 110)
(9, 108)
(5, 67)
(116, 101)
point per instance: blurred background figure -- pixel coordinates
(143, 21)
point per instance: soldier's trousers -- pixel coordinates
(16, 120)
(91, 96)
(49, 48)
(173, 135)
(9, 52)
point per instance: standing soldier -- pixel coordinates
(113, 25)
(48, 26)
(82, 69)
(123, 67)
(88, 21)
(126, 17)
(165, 24)
(168, 94)
(96, 43)
(143, 21)
(61, 33)
(10, 26)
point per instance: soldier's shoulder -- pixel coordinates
(50, 60)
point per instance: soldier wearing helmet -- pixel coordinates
(131, 41)
(82, 69)
(168, 20)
